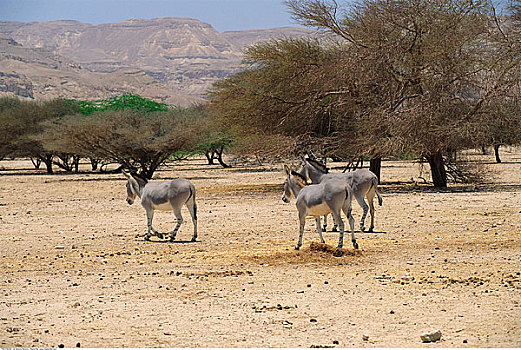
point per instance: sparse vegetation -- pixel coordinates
(134, 132)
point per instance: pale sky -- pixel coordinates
(223, 15)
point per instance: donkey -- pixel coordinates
(315, 200)
(362, 181)
(163, 195)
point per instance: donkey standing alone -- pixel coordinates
(163, 195)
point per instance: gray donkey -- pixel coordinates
(331, 196)
(163, 195)
(363, 182)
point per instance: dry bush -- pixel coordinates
(464, 170)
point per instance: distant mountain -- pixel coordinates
(40, 74)
(176, 56)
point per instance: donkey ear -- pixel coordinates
(126, 174)
(287, 170)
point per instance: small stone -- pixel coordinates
(365, 337)
(78, 345)
(59, 247)
(61, 346)
(431, 337)
(465, 341)
(391, 312)
(335, 342)
(314, 320)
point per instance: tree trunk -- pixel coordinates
(146, 173)
(63, 162)
(484, 150)
(375, 164)
(36, 163)
(47, 160)
(438, 172)
(220, 157)
(76, 163)
(496, 152)
(94, 164)
(210, 157)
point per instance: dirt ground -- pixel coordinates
(73, 272)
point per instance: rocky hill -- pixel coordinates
(40, 74)
(157, 58)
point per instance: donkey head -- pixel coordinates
(293, 184)
(317, 165)
(134, 186)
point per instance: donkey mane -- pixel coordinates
(139, 177)
(320, 166)
(299, 175)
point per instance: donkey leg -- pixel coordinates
(179, 219)
(335, 226)
(302, 219)
(324, 228)
(338, 220)
(319, 229)
(347, 210)
(371, 211)
(192, 207)
(150, 217)
(365, 208)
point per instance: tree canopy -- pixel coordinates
(418, 77)
(129, 130)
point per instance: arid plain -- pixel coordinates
(74, 271)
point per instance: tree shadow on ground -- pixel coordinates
(407, 187)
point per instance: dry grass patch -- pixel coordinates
(316, 253)
(261, 188)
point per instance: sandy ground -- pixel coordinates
(72, 271)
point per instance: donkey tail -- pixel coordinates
(375, 185)
(191, 198)
(349, 193)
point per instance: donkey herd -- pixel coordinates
(328, 193)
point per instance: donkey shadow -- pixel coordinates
(167, 241)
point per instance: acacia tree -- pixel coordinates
(22, 126)
(285, 103)
(136, 139)
(500, 107)
(424, 64)
(9, 125)
(404, 76)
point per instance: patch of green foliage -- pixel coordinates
(120, 103)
